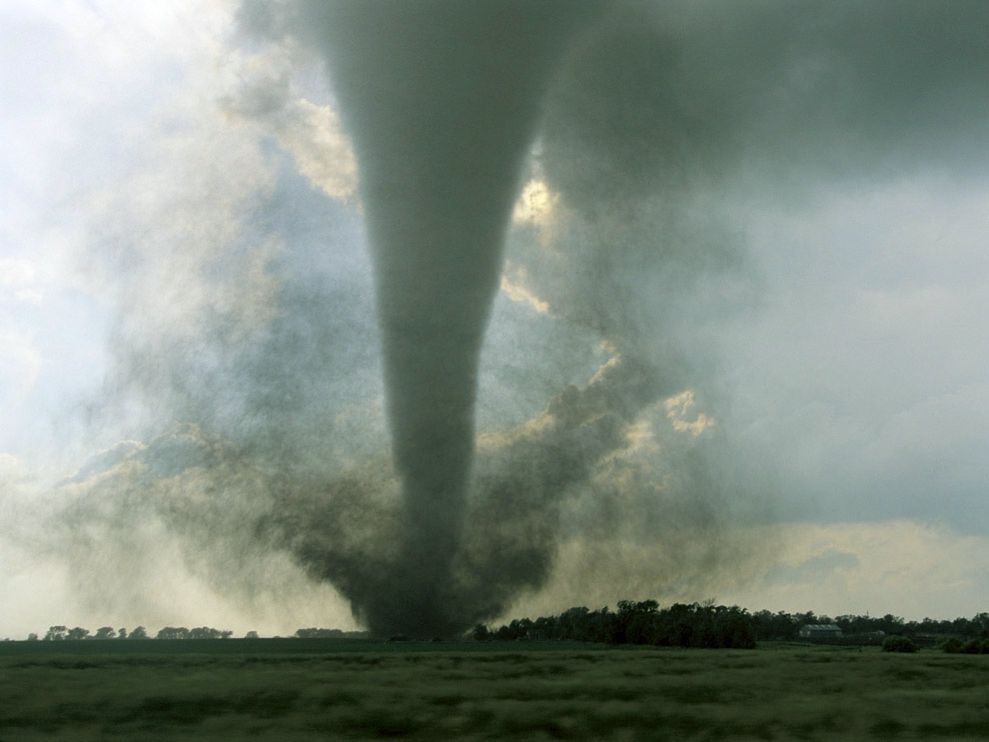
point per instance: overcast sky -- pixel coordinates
(785, 210)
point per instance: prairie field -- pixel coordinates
(292, 689)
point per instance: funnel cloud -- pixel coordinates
(442, 99)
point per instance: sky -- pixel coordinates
(780, 212)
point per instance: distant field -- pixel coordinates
(294, 689)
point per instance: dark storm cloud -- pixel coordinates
(667, 110)
(669, 96)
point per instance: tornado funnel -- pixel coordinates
(441, 99)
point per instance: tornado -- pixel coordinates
(441, 99)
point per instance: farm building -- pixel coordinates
(820, 631)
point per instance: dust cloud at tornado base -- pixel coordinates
(279, 458)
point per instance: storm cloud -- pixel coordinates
(458, 308)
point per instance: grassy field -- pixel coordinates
(324, 689)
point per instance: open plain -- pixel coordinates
(292, 689)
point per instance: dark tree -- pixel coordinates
(480, 633)
(56, 633)
(206, 632)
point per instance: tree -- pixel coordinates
(206, 632)
(634, 623)
(774, 626)
(545, 627)
(139, 633)
(56, 633)
(480, 633)
(172, 632)
(77, 633)
(573, 622)
(122, 633)
(32, 637)
(251, 635)
(105, 632)
(891, 624)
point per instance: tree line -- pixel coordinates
(718, 626)
(63, 633)
(783, 626)
(642, 622)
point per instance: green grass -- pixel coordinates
(318, 689)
